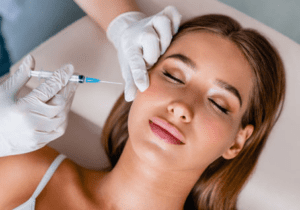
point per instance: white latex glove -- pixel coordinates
(31, 122)
(140, 41)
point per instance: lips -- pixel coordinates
(165, 131)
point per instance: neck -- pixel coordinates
(133, 183)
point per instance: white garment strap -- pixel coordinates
(49, 174)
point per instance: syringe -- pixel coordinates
(74, 78)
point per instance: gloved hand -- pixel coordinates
(31, 122)
(140, 41)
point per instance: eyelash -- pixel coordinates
(222, 109)
(171, 76)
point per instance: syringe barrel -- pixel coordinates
(47, 74)
(77, 78)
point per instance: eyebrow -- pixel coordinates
(230, 88)
(218, 82)
(184, 59)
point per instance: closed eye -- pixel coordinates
(173, 78)
(222, 109)
(218, 106)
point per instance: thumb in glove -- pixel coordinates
(11, 86)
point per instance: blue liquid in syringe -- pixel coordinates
(92, 80)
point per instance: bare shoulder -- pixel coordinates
(73, 183)
(21, 174)
(66, 183)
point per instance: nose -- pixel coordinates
(180, 111)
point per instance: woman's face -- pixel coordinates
(206, 106)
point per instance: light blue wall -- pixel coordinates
(41, 19)
(281, 15)
(38, 21)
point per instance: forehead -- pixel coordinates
(209, 47)
(217, 56)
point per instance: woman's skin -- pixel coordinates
(152, 174)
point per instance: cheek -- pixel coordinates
(211, 140)
(155, 92)
(144, 102)
(212, 131)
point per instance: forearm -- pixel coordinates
(104, 11)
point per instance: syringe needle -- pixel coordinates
(94, 80)
(101, 81)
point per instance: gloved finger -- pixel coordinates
(70, 90)
(69, 102)
(46, 137)
(33, 105)
(68, 97)
(66, 110)
(138, 70)
(64, 95)
(163, 28)
(61, 129)
(172, 13)
(130, 91)
(150, 45)
(3, 78)
(20, 77)
(130, 88)
(51, 86)
(58, 105)
(45, 124)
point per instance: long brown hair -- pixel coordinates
(220, 184)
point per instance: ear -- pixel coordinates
(242, 136)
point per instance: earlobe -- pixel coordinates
(242, 136)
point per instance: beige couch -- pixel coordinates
(275, 184)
